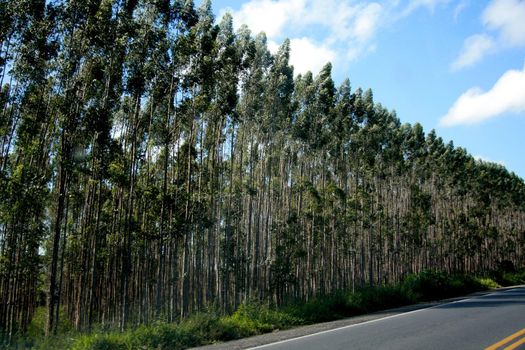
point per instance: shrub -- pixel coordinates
(426, 286)
(164, 336)
(487, 283)
(253, 318)
(510, 278)
(432, 285)
(101, 342)
(379, 298)
(157, 336)
(324, 308)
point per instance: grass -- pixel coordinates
(255, 318)
(506, 278)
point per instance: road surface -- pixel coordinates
(491, 321)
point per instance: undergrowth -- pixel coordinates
(256, 318)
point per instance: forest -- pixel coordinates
(155, 162)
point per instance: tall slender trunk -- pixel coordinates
(53, 290)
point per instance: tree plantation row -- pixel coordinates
(154, 163)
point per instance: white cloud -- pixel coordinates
(341, 27)
(462, 5)
(306, 55)
(273, 46)
(416, 4)
(474, 49)
(268, 16)
(475, 105)
(507, 16)
(366, 21)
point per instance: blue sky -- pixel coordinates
(457, 66)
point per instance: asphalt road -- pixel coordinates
(492, 321)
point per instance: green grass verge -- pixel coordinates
(506, 278)
(253, 318)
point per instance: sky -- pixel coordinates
(456, 66)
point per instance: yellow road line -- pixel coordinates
(516, 344)
(507, 340)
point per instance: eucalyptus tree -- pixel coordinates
(199, 85)
(89, 71)
(25, 167)
(338, 153)
(250, 110)
(275, 124)
(222, 125)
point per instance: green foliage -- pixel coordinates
(322, 309)
(343, 304)
(199, 329)
(506, 278)
(157, 336)
(508, 275)
(36, 328)
(102, 342)
(428, 285)
(255, 318)
(34, 337)
(261, 318)
(433, 285)
(487, 283)
(380, 298)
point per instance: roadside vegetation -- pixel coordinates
(255, 318)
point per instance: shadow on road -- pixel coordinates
(509, 298)
(484, 303)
